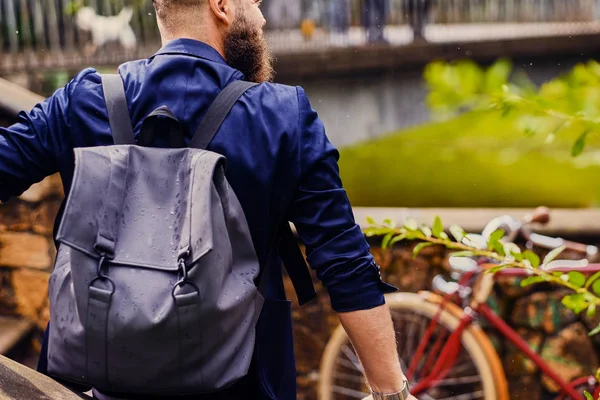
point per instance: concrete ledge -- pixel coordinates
(562, 221)
(20, 382)
(16, 98)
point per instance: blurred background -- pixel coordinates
(363, 64)
(463, 108)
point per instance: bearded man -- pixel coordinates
(280, 164)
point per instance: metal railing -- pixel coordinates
(56, 32)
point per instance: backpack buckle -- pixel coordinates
(182, 273)
(100, 270)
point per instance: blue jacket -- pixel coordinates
(280, 164)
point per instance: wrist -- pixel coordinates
(392, 385)
(397, 393)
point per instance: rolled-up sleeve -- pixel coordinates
(335, 245)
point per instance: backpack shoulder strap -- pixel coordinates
(296, 267)
(116, 105)
(217, 113)
(288, 246)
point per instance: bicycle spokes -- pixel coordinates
(453, 378)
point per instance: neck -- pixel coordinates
(211, 40)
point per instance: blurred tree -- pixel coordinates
(568, 102)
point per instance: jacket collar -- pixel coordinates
(191, 47)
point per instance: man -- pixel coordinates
(418, 13)
(374, 19)
(280, 165)
(339, 22)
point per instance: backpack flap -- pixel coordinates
(120, 193)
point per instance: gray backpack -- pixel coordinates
(153, 290)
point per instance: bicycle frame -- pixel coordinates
(450, 350)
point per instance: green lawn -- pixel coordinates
(475, 160)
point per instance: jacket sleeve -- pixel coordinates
(30, 149)
(335, 245)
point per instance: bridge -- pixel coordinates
(54, 34)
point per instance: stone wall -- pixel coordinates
(534, 312)
(27, 252)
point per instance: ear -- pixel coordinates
(223, 10)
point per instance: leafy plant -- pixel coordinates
(504, 254)
(570, 102)
(586, 291)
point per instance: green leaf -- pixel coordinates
(592, 279)
(595, 331)
(499, 248)
(420, 247)
(397, 239)
(497, 75)
(426, 230)
(513, 250)
(386, 240)
(596, 287)
(438, 227)
(579, 144)
(591, 311)
(588, 396)
(575, 302)
(369, 232)
(577, 278)
(388, 222)
(553, 254)
(533, 258)
(495, 237)
(411, 224)
(458, 232)
(532, 280)
(497, 268)
(370, 220)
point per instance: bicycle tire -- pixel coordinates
(474, 340)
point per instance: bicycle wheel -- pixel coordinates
(476, 374)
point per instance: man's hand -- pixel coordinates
(372, 335)
(409, 398)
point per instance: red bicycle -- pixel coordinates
(443, 350)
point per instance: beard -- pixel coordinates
(247, 51)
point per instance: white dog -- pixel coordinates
(107, 29)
